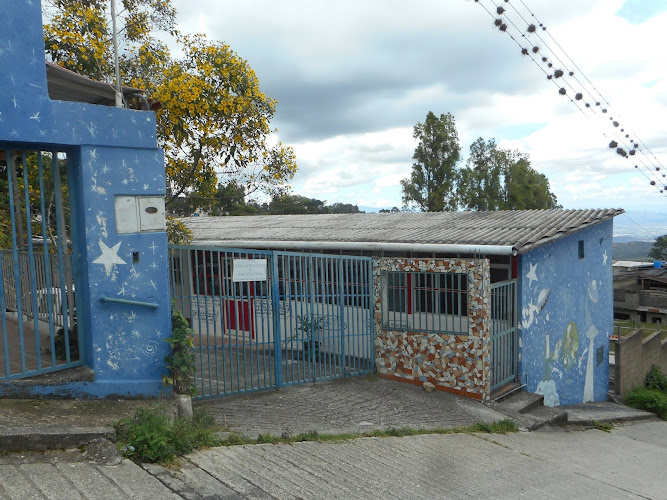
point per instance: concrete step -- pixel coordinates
(47, 437)
(604, 412)
(528, 410)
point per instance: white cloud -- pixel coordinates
(352, 78)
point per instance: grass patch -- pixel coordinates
(653, 396)
(501, 427)
(603, 426)
(655, 379)
(149, 436)
(652, 400)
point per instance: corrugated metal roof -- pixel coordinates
(521, 229)
(66, 85)
(654, 274)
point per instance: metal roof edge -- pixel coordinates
(558, 236)
(362, 245)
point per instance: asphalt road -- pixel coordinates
(629, 462)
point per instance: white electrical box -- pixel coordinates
(138, 214)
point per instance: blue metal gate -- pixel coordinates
(503, 333)
(37, 311)
(267, 319)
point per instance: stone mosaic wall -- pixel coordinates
(451, 362)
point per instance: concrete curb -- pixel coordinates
(611, 420)
(40, 438)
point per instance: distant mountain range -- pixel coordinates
(632, 250)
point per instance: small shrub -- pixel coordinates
(647, 399)
(181, 358)
(150, 437)
(603, 426)
(500, 427)
(655, 379)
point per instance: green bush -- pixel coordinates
(181, 358)
(655, 379)
(652, 400)
(149, 436)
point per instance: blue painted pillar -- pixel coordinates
(127, 300)
(121, 271)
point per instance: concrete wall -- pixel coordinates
(634, 357)
(454, 363)
(566, 317)
(110, 152)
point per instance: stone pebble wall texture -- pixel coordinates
(453, 363)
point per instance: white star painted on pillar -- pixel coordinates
(532, 273)
(36, 117)
(153, 247)
(604, 258)
(92, 154)
(15, 102)
(34, 59)
(105, 169)
(109, 257)
(154, 266)
(153, 285)
(92, 129)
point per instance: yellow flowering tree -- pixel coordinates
(214, 121)
(77, 33)
(214, 124)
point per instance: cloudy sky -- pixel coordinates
(352, 78)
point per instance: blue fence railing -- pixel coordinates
(503, 333)
(37, 291)
(267, 319)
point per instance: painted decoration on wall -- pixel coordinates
(563, 294)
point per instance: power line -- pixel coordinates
(648, 168)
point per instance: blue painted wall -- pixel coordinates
(111, 152)
(566, 317)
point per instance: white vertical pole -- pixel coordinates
(119, 95)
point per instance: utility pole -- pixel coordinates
(119, 93)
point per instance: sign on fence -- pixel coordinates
(249, 270)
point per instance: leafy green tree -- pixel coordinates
(500, 179)
(481, 182)
(432, 183)
(230, 199)
(526, 188)
(296, 205)
(344, 208)
(659, 249)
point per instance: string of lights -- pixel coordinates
(566, 79)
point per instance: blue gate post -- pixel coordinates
(275, 304)
(121, 274)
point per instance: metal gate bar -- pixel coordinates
(35, 297)
(309, 318)
(503, 333)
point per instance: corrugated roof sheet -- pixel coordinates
(522, 229)
(66, 85)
